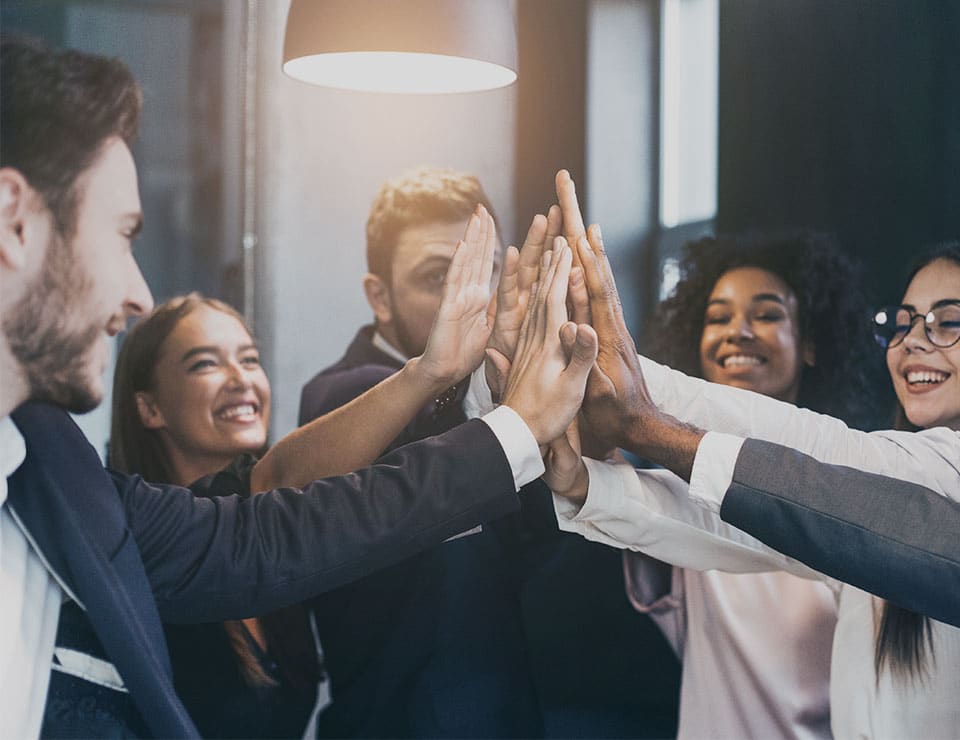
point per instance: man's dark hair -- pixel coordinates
(417, 197)
(57, 109)
(831, 308)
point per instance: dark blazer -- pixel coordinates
(132, 553)
(520, 600)
(894, 539)
(432, 646)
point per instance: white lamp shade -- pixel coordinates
(402, 46)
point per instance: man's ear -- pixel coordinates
(808, 350)
(150, 415)
(378, 296)
(16, 205)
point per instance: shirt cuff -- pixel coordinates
(604, 489)
(713, 469)
(478, 399)
(518, 443)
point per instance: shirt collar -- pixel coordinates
(384, 346)
(13, 450)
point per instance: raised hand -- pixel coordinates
(465, 320)
(616, 400)
(544, 387)
(520, 271)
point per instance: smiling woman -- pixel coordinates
(779, 315)
(190, 396)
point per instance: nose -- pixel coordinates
(916, 339)
(237, 376)
(739, 329)
(139, 300)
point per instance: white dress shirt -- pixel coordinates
(29, 610)
(657, 513)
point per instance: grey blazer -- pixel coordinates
(894, 539)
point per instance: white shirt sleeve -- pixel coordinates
(478, 399)
(650, 511)
(713, 469)
(930, 458)
(518, 443)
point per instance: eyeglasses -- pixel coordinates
(941, 324)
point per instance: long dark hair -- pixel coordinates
(905, 638)
(831, 310)
(136, 449)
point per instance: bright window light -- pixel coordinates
(399, 72)
(688, 111)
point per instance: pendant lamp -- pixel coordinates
(402, 46)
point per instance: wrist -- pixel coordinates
(662, 439)
(425, 378)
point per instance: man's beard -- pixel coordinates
(51, 355)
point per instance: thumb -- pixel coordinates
(500, 363)
(584, 352)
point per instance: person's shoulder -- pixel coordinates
(336, 386)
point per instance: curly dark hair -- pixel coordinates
(832, 312)
(57, 110)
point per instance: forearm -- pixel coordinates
(350, 437)
(650, 511)
(666, 441)
(927, 458)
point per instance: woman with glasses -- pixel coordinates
(779, 315)
(893, 673)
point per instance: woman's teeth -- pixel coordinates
(235, 411)
(740, 360)
(926, 376)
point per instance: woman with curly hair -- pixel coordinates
(780, 315)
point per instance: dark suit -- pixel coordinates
(532, 589)
(894, 539)
(432, 646)
(133, 554)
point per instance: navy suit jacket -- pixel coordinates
(132, 553)
(894, 539)
(437, 666)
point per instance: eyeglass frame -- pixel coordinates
(914, 315)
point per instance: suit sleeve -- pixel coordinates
(892, 538)
(210, 559)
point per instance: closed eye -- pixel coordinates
(199, 365)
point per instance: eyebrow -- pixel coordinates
(210, 349)
(758, 297)
(941, 302)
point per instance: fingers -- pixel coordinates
(489, 252)
(578, 297)
(500, 363)
(533, 247)
(554, 225)
(573, 227)
(584, 354)
(507, 289)
(559, 277)
(604, 301)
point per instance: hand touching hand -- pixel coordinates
(465, 319)
(520, 271)
(616, 398)
(565, 472)
(544, 387)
